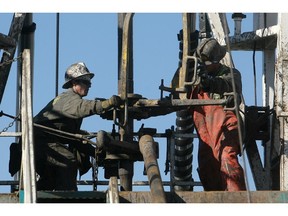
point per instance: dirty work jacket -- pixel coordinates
(65, 113)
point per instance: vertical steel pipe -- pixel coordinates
(148, 150)
(125, 86)
(282, 97)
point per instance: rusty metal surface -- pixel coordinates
(147, 148)
(146, 108)
(135, 197)
(259, 39)
(145, 197)
(142, 108)
(208, 197)
(9, 198)
(177, 102)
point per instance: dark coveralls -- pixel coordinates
(58, 159)
(219, 168)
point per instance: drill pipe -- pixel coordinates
(147, 148)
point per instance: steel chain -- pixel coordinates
(95, 171)
(10, 124)
(10, 61)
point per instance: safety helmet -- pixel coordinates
(77, 71)
(210, 48)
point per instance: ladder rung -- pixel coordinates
(6, 41)
(10, 134)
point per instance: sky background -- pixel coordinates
(92, 38)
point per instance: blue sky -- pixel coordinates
(92, 38)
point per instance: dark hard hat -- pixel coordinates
(77, 71)
(210, 48)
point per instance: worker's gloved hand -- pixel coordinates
(205, 79)
(205, 83)
(231, 102)
(115, 101)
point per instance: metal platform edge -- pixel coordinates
(9, 198)
(145, 197)
(209, 197)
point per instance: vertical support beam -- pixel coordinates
(28, 165)
(26, 41)
(148, 150)
(261, 21)
(268, 101)
(14, 32)
(186, 23)
(125, 87)
(281, 92)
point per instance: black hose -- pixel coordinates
(183, 150)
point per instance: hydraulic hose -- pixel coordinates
(183, 150)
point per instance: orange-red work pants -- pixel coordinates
(219, 168)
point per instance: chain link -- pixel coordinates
(95, 172)
(10, 124)
(10, 61)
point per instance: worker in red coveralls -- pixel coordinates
(217, 129)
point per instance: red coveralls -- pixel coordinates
(219, 169)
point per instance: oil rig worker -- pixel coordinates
(217, 129)
(59, 158)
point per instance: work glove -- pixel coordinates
(115, 101)
(205, 79)
(230, 101)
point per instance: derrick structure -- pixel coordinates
(263, 124)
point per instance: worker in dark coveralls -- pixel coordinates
(219, 169)
(58, 158)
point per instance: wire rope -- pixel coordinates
(57, 54)
(237, 112)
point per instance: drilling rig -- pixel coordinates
(264, 125)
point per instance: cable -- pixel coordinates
(57, 53)
(254, 73)
(237, 114)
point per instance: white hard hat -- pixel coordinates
(76, 71)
